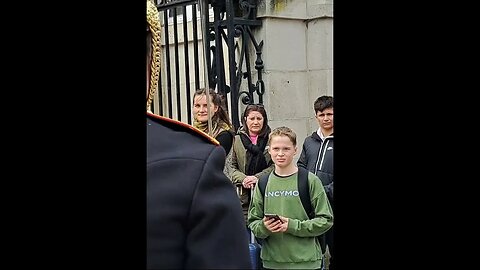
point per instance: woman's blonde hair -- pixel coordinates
(221, 114)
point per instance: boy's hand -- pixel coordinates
(276, 225)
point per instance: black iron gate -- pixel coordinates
(230, 28)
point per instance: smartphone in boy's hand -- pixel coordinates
(274, 216)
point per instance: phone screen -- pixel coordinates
(274, 216)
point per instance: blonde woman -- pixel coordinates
(222, 129)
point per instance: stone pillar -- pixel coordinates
(298, 59)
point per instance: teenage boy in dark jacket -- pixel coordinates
(317, 157)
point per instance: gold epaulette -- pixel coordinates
(185, 125)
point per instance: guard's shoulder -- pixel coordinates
(186, 127)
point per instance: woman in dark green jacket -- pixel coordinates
(250, 157)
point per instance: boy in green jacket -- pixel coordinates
(290, 242)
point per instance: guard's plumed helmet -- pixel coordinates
(153, 51)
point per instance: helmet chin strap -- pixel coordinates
(153, 20)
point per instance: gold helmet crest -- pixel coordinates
(154, 26)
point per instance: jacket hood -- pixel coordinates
(241, 130)
(316, 137)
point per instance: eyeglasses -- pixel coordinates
(258, 105)
(253, 107)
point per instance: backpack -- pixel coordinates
(304, 194)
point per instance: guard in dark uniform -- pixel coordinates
(194, 218)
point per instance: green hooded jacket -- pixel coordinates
(297, 248)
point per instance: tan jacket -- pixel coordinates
(238, 168)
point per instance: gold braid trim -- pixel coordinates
(154, 25)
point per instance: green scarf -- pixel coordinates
(217, 126)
